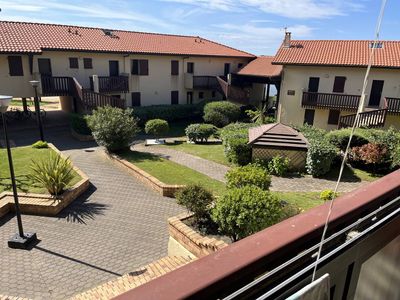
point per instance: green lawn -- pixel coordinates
(303, 200)
(170, 172)
(210, 151)
(22, 158)
(350, 174)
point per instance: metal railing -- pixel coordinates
(205, 82)
(328, 100)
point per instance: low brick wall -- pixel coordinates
(81, 137)
(44, 204)
(194, 242)
(166, 190)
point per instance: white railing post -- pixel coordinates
(95, 83)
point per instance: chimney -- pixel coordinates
(286, 41)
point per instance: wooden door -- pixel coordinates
(114, 67)
(376, 93)
(44, 66)
(309, 116)
(313, 84)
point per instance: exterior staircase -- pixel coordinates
(233, 93)
(134, 279)
(84, 99)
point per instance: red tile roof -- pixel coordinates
(338, 53)
(262, 66)
(35, 37)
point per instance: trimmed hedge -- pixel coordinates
(320, 156)
(156, 127)
(221, 113)
(248, 175)
(200, 132)
(169, 113)
(340, 138)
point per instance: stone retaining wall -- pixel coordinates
(192, 241)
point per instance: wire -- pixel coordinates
(356, 119)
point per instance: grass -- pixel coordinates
(350, 174)
(170, 172)
(22, 158)
(303, 200)
(15, 102)
(210, 151)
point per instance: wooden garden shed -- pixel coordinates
(275, 139)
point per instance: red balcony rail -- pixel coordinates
(393, 105)
(327, 100)
(219, 274)
(205, 82)
(109, 84)
(370, 119)
(56, 86)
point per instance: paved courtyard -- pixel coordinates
(115, 227)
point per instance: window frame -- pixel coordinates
(174, 67)
(140, 67)
(88, 63)
(15, 65)
(174, 97)
(137, 104)
(73, 62)
(190, 69)
(332, 118)
(305, 115)
(337, 88)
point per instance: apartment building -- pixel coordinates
(100, 64)
(322, 82)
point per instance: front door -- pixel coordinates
(227, 69)
(114, 67)
(44, 66)
(376, 93)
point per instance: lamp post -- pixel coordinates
(20, 240)
(35, 85)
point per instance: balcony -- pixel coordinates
(205, 82)
(393, 105)
(359, 253)
(330, 101)
(56, 86)
(112, 84)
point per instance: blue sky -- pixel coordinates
(256, 26)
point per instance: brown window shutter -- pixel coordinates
(309, 116)
(73, 63)
(338, 85)
(15, 66)
(136, 99)
(174, 67)
(135, 67)
(87, 63)
(333, 118)
(174, 97)
(143, 67)
(190, 67)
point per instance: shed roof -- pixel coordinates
(262, 66)
(277, 135)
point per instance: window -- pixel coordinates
(140, 67)
(227, 69)
(189, 98)
(309, 116)
(240, 65)
(213, 94)
(15, 66)
(136, 99)
(338, 85)
(174, 97)
(190, 67)
(73, 63)
(333, 118)
(174, 67)
(87, 63)
(201, 95)
(377, 45)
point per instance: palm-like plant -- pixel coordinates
(258, 115)
(54, 173)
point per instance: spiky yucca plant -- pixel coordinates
(53, 172)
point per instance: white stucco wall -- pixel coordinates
(155, 88)
(296, 78)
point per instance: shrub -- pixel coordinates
(54, 173)
(248, 175)
(243, 211)
(156, 127)
(221, 113)
(288, 210)
(79, 124)
(310, 132)
(370, 154)
(320, 156)
(237, 150)
(278, 165)
(40, 145)
(113, 128)
(196, 199)
(200, 132)
(327, 195)
(235, 128)
(340, 138)
(170, 113)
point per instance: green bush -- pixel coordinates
(156, 127)
(40, 145)
(278, 165)
(79, 124)
(310, 132)
(320, 156)
(288, 210)
(221, 113)
(200, 132)
(241, 212)
(113, 128)
(327, 195)
(395, 157)
(340, 138)
(196, 199)
(235, 128)
(237, 150)
(54, 173)
(248, 175)
(170, 113)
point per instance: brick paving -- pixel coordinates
(114, 228)
(217, 171)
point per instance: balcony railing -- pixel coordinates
(56, 86)
(327, 100)
(205, 82)
(109, 84)
(369, 119)
(393, 105)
